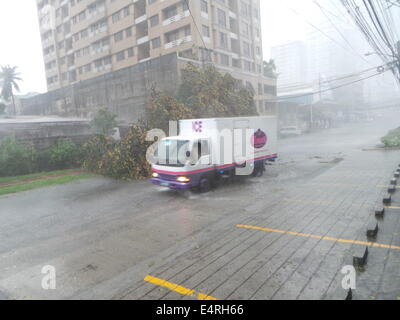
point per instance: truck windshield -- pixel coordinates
(172, 153)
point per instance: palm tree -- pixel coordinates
(270, 68)
(9, 77)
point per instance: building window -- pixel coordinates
(172, 36)
(156, 43)
(116, 17)
(126, 11)
(221, 17)
(246, 49)
(223, 40)
(224, 59)
(206, 31)
(128, 32)
(120, 56)
(236, 63)
(154, 20)
(170, 12)
(118, 36)
(187, 31)
(247, 66)
(204, 6)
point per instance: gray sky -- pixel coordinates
(20, 38)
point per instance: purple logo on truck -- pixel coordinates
(259, 139)
(197, 126)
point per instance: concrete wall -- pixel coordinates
(125, 92)
(43, 134)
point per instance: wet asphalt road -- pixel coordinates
(104, 236)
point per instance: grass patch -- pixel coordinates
(392, 139)
(42, 183)
(4, 180)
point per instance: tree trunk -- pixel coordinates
(13, 101)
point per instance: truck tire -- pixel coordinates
(205, 185)
(258, 171)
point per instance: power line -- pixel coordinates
(323, 10)
(195, 24)
(321, 31)
(333, 79)
(378, 31)
(326, 90)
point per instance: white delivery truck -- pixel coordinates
(208, 150)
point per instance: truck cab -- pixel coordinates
(181, 162)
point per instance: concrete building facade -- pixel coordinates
(86, 39)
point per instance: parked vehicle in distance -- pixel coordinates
(209, 150)
(289, 131)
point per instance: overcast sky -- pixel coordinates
(20, 38)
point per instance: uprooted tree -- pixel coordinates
(203, 93)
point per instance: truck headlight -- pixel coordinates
(155, 175)
(183, 179)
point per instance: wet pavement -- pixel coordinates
(286, 235)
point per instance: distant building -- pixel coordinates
(329, 57)
(291, 62)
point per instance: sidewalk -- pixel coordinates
(296, 247)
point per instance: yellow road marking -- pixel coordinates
(305, 235)
(392, 207)
(177, 288)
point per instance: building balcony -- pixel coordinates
(98, 31)
(101, 50)
(204, 15)
(176, 18)
(103, 68)
(178, 42)
(141, 19)
(142, 40)
(144, 51)
(234, 36)
(99, 13)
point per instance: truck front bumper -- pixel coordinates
(172, 184)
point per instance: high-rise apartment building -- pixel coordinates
(83, 39)
(291, 61)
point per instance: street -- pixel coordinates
(282, 236)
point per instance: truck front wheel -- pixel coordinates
(205, 185)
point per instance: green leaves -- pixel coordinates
(120, 160)
(16, 158)
(10, 77)
(209, 93)
(270, 68)
(2, 108)
(104, 122)
(392, 139)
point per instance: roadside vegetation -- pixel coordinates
(392, 139)
(2, 109)
(17, 158)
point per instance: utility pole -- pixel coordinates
(398, 56)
